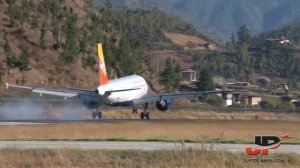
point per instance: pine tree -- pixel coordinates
(244, 35)
(2, 72)
(24, 60)
(170, 76)
(42, 37)
(205, 81)
(167, 74)
(70, 47)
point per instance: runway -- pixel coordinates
(95, 121)
(120, 145)
(41, 121)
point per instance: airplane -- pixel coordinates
(281, 40)
(126, 91)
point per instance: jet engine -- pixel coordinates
(163, 105)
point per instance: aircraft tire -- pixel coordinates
(142, 115)
(99, 114)
(147, 115)
(94, 114)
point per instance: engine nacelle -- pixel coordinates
(163, 105)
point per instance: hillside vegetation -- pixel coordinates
(53, 43)
(277, 59)
(225, 17)
(246, 58)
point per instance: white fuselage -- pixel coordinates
(123, 89)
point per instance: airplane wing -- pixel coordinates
(172, 96)
(89, 95)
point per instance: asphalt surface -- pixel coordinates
(92, 120)
(41, 121)
(47, 121)
(107, 145)
(101, 121)
(55, 121)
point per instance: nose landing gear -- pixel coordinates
(97, 113)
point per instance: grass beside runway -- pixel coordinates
(230, 127)
(198, 113)
(230, 131)
(134, 158)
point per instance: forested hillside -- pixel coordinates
(273, 56)
(54, 42)
(246, 58)
(224, 16)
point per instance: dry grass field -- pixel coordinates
(196, 113)
(240, 131)
(184, 39)
(231, 127)
(136, 159)
(238, 127)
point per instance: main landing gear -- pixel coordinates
(134, 110)
(145, 114)
(97, 113)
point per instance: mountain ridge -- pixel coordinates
(223, 17)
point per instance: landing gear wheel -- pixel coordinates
(147, 115)
(94, 114)
(142, 115)
(99, 114)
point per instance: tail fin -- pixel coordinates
(103, 78)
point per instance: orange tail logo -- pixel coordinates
(103, 78)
